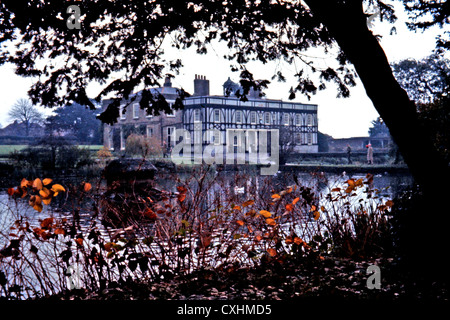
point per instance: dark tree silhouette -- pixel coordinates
(25, 112)
(126, 37)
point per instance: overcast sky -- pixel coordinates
(338, 117)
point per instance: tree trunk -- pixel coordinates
(423, 232)
(347, 23)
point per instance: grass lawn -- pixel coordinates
(5, 150)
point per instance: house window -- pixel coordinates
(135, 110)
(286, 119)
(253, 117)
(187, 137)
(298, 119)
(309, 120)
(170, 136)
(171, 114)
(122, 112)
(197, 115)
(216, 137)
(236, 141)
(149, 132)
(122, 140)
(267, 117)
(298, 138)
(216, 115)
(238, 116)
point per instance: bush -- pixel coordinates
(49, 158)
(143, 146)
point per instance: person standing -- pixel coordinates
(369, 154)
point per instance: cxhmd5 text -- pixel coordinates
(226, 309)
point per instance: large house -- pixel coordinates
(220, 120)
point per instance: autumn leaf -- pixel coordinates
(248, 203)
(60, 231)
(335, 189)
(289, 207)
(46, 181)
(288, 240)
(37, 184)
(295, 200)
(38, 207)
(272, 252)
(250, 213)
(45, 193)
(316, 215)
(258, 238)
(275, 196)
(389, 203)
(11, 191)
(181, 197)
(237, 208)
(271, 222)
(289, 190)
(313, 208)
(79, 241)
(351, 182)
(25, 183)
(265, 214)
(46, 201)
(298, 241)
(240, 222)
(47, 223)
(149, 214)
(87, 186)
(181, 189)
(57, 188)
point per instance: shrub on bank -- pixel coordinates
(207, 222)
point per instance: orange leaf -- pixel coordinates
(87, 186)
(181, 197)
(351, 182)
(389, 203)
(248, 203)
(335, 189)
(313, 208)
(45, 193)
(316, 215)
(298, 241)
(276, 196)
(38, 207)
(149, 213)
(258, 238)
(237, 208)
(250, 213)
(46, 223)
(11, 191)
(79, 241)
(57, 188)
(47, 181)
(272, 252)
(240, 222)
(60, 231)
(295, 200)
(289, 207)
(181, 189)
(289, 190)
(265, 214)
(271, 222)
(288, 240)
(37, 184)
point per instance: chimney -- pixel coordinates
(167, 82)
(201, 86)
